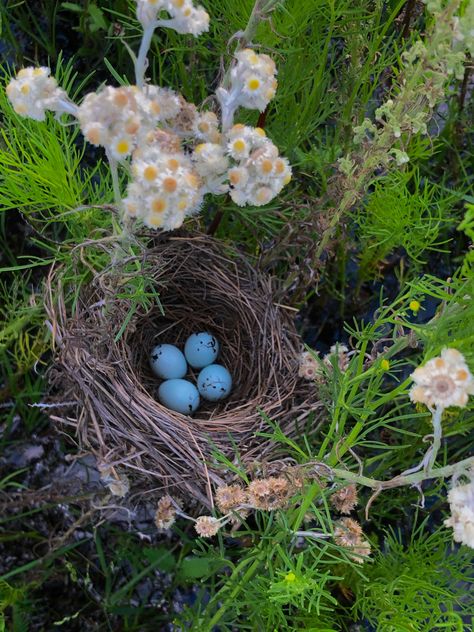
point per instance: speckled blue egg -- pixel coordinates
(214, 382)
(201, 349)
(179, 395)
(168, 362)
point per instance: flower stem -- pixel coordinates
(140, 63)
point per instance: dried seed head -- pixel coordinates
(229, 497)
(345, 499)
(207, 526)
(165, 514)
(269, 493)
(348, 533)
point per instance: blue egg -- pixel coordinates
(201, 349)
(214, 382)
(168, 362)
(179, 395)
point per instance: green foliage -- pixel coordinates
(338, 63)
(402, 211)
(418, 586)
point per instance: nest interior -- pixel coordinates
(202, 287)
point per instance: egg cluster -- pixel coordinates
(214, 381)
(185, 18)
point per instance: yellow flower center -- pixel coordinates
(253, 84)
(173, 164)
(122, 147)
(462, 374)
(169, 185)
(267, 166)
(239, 145)
(25, 89)
(260, 131)
(150, 173)
(158, 205)
(414, 306)
(290, 577)
(385, 364)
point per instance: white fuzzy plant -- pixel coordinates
(174, 153)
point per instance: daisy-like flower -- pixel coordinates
(206, 127)
(207, 526)
(461, 502)
(443, 381)
(33, 92)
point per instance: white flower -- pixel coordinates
(210, 159)
(185, 18)
(260, 173)
(165, 188)
(206, 127)
(33, 92)
(461, 501)
(443, 381)
(253, 78)
(161, 104)
(309, 367)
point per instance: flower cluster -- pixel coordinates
(185, 18)
(259, 173)
(121, 118)
(33, 92)
(443, 381)
(461, 502)
(269, 493)
(252, 83)
(309, 367)
(177, 153)
(165, 188)
(348, 533)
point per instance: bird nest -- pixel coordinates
(202, 286)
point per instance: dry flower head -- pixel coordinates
(345, 499)
(165, 515)
(207, 526)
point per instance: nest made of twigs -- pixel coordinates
(202, 287)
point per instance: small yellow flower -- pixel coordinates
(385, 364)
(415, 306)
(290, 577)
